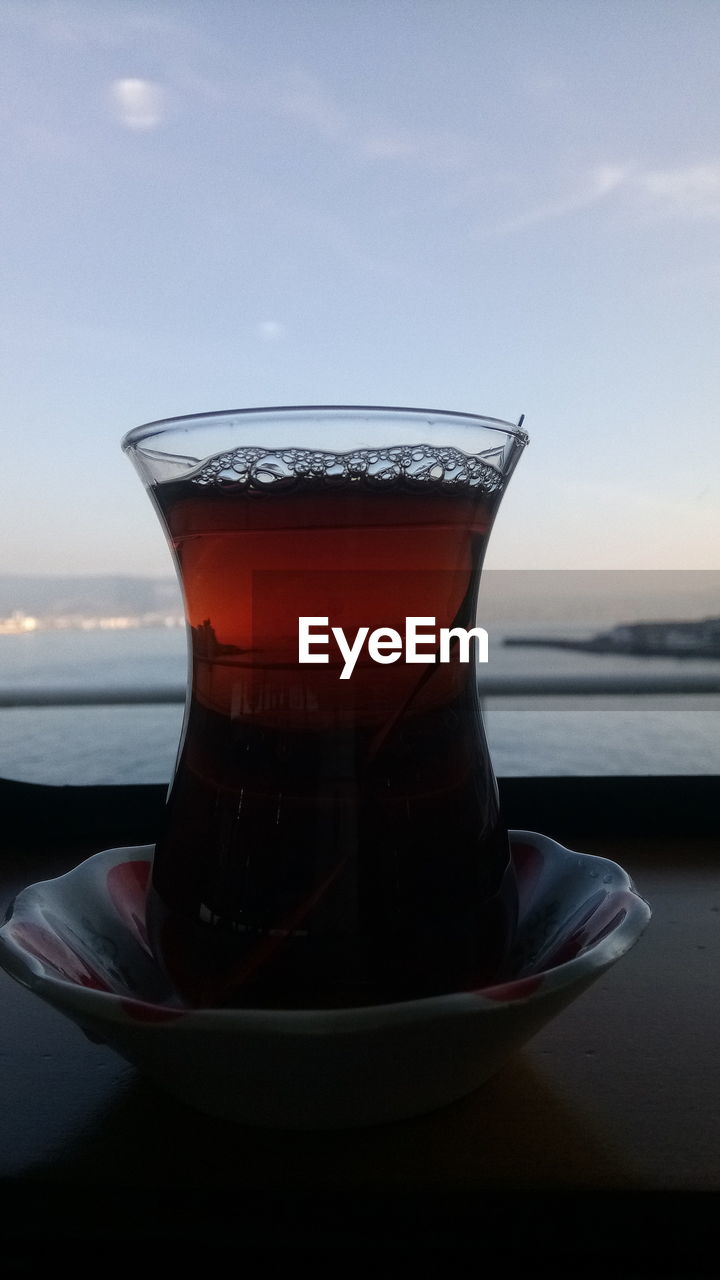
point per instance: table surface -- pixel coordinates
(616, 1099)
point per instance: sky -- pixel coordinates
(492, 206)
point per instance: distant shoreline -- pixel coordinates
(22, 624)
(696, 639)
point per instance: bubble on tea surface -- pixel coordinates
(397, 466)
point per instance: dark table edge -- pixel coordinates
(629, 1233)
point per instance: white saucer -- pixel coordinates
(79, 942)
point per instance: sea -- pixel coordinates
(627, 734)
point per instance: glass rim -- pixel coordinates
(148, 430)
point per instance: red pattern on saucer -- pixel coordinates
(54, 951)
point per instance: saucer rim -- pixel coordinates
(581, 969)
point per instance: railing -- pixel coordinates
(685, 683)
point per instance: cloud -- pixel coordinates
(111, 25)
(432, 149)
(300, 97)
(687, 192)
(294, 96)
(138, 104)
(690, 191)
(596, 185)
(270, 331)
